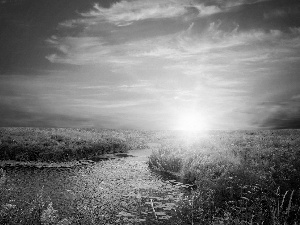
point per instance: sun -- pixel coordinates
(191, 121)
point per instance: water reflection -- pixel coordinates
(55, 184)
(99, 188)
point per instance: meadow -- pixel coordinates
(219, 177)
(58, 145)
(241, 177)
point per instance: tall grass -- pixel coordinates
(241, 177)
(36, 144)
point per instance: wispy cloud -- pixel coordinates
(217, 52)
(85, 50)
(217, 63)
(88, 47)
(77, 50)
(126, 12)
(211, 52)
(281, 12)
(187, 44)
(234, 3)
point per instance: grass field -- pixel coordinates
(57, 145)
(242, 177)
(239, 177)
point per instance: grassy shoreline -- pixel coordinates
(58, 144)
(241, 177)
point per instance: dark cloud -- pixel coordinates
(21, 107)
(284, 116)
(283, 120)
(18, 117)
(24, 27)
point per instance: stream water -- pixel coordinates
(103, 184)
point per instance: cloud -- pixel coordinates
(22, 116)
(136, 86)
(99, 43)
(281, 115)
(275, 14)
(216, 51)
(215, 64)
(296, 97)
(283, 119)
(234, 3)
(213, 50)
(14, 3)
(281, 12)
(100, 87)
(77, 50)
(189, 43)
(231, 5)
(89, 50)
(125, 13)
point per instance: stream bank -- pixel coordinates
(70, 164)
(135, 155)
(120, 191)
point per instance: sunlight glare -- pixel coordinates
(191, 122)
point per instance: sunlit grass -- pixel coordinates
(241, 177)
(225, 178)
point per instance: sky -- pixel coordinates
(150, 64)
